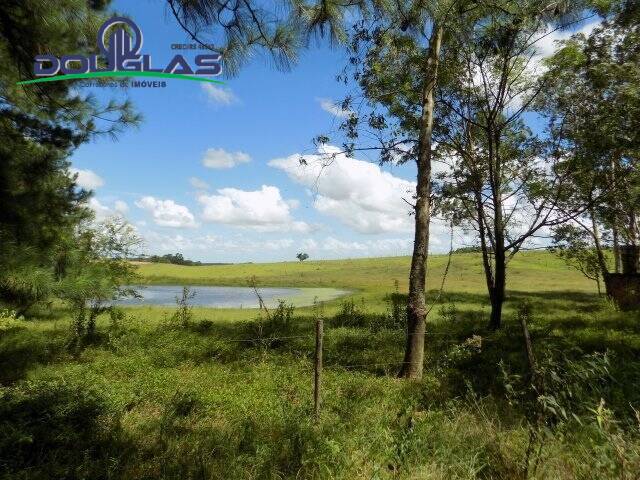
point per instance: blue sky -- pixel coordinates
(211, 172)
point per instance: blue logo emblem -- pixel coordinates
(120, 56)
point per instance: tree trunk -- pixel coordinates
(497, 294)
(412, 365)
(602, 261)
(616, 249)
(484, 246)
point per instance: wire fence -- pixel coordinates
(442, 337)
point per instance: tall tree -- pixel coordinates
(397, 59)
(593, 109)
(505, 179)
(248, 27)
(40, 126)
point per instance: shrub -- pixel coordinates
(9, 319)
(351, 315)
(50, 429)
(267, 332)
(184, 311)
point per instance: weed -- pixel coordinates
(183, 315)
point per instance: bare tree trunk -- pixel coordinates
(633, 234)
(616, 236)
(497, 293)
(602, 261)
(616, 249)
(484, 247)
(412, 365)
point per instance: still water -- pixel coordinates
(230, 297)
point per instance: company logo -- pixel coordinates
(122, 59)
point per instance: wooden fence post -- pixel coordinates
(317, 384)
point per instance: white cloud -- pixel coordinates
(87, 179)
(293, 203)
(167, 213)
(358, 193)
(548, 42)
(120, 206)
(309, 244)
(263, 209)
(332, 108)
(220, 158)
(103, 211)
(163, 242)
(199, 183)
(219, 95)
(278, 244)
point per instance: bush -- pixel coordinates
(267, 332)
(354, 315)
(351, 315)
(184, 311)
(9, 320)
(50, 429)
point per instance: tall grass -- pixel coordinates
(219, 399)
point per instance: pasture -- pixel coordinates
(224, 395)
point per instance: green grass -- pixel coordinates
(536, 273)
(149, 400)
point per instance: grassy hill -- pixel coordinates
(529, 271)
(536, 275)
(226, 396)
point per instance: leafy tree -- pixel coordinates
(504, 181)
(578, 249)
(593, 107)
(413, 71)
(98, 271)
(40, 126)
(398, 59)
(302, 256)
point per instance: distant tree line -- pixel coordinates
(173, 258)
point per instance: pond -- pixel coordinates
(231, 297)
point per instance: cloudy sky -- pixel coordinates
(213, 172)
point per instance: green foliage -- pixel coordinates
(592, 102)
(396, 317)
(24, 286)
(193, 403)
(41, 126)
(9, 320)
(183, 315)
(174, 259)
(351, 314)
(97, 271)
(575, 246)
(272, 330)
(55, 430)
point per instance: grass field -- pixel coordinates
(537, 274)
(225, 396)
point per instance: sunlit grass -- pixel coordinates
(203, 402)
